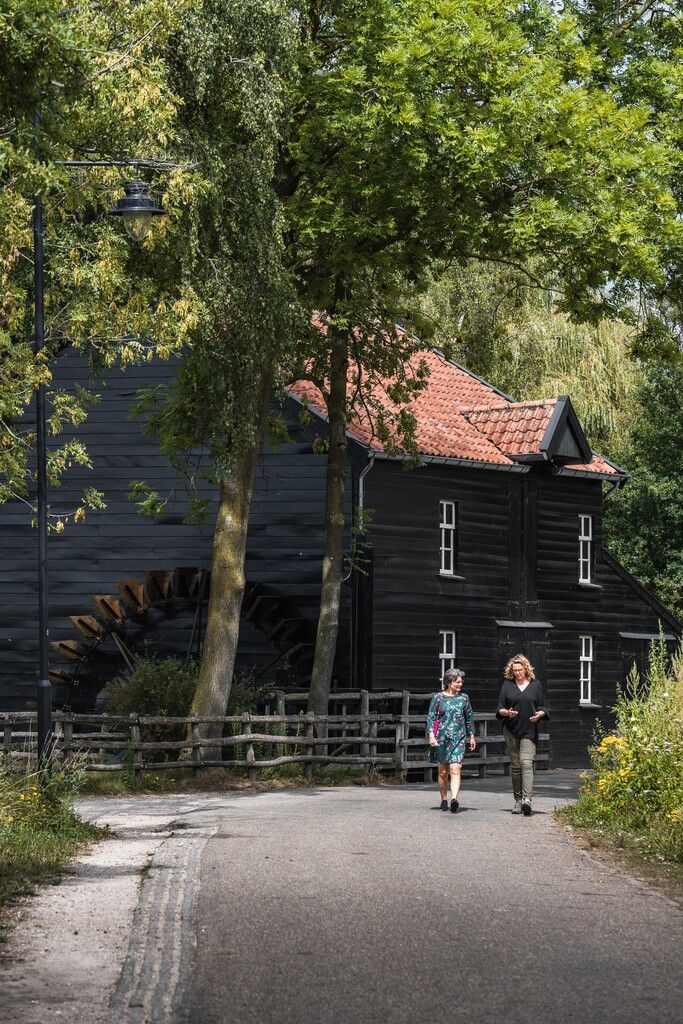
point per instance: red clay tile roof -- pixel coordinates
(459, 416)
(517, 428)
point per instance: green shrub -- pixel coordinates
(155, 687)
(636, 792)
(39, 831)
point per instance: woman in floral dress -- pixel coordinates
(449, 721)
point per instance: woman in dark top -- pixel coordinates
(521, 705)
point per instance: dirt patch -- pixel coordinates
(219, 781)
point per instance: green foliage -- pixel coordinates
(230, 65)
(153, 687)
(39, 831)
(497, 322)
(636, 791)
(82, 82)
(644, 521)
(357, 558)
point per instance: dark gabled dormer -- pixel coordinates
(564, 441)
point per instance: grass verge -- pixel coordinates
(633, 801)
(39, 831)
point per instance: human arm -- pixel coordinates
(431, 720)
(541, 709)
(503, 710)
(469, 722)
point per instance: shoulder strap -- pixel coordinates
(438, 716)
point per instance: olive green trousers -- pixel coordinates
(522, 753)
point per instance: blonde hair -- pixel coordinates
(523, 660)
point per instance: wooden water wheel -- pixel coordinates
(140, 606)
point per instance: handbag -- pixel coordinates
(435, 730)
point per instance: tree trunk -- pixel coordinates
(333, 554)
(227, 582)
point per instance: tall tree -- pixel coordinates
(80, 83)
(457, 131)
(231, 61)
(644, 521)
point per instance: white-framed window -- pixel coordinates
(447, 652)
(585, 548)
(586, 670)
(448, 529)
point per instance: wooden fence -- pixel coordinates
(391, 740)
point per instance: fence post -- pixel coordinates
(398, 736)
(57, 742)
(280, 702)
(372, 731)
(7, 739)
(135, 745)
(483, 747)
(103, 750)
(310, 734)
(196, 748)
(251, 757)
(507, 769)
(405, 732)
(428, 773)
(364, 725)
(68, 727)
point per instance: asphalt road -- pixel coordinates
(343, 906)
(373, 906)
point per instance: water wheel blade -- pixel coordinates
(108, 607)
(204, 585)
(133, 595)
(158, 586)
(69, 649)
(185, 582)
(61, 678)
(251, 592)
(88, 626)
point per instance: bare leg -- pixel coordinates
(443, 780)
(455, 779)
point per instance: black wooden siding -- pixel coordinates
(412, 601)
(518, 554)
(284, 544)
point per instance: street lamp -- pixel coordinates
(137, 208)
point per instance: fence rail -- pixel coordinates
(393, 741)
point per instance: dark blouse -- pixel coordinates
(527, 702)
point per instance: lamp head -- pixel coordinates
(137, 208)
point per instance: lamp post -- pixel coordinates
(137, 209)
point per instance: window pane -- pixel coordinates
(447, 525)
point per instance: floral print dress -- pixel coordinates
(456, 722)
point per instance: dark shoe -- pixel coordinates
(444, 805)
(454, 806)
(526, 808)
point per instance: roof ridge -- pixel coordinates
(510, 406)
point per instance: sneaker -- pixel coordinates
(526, 808)
(454, 805)
(517, 809)
(444, 805)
